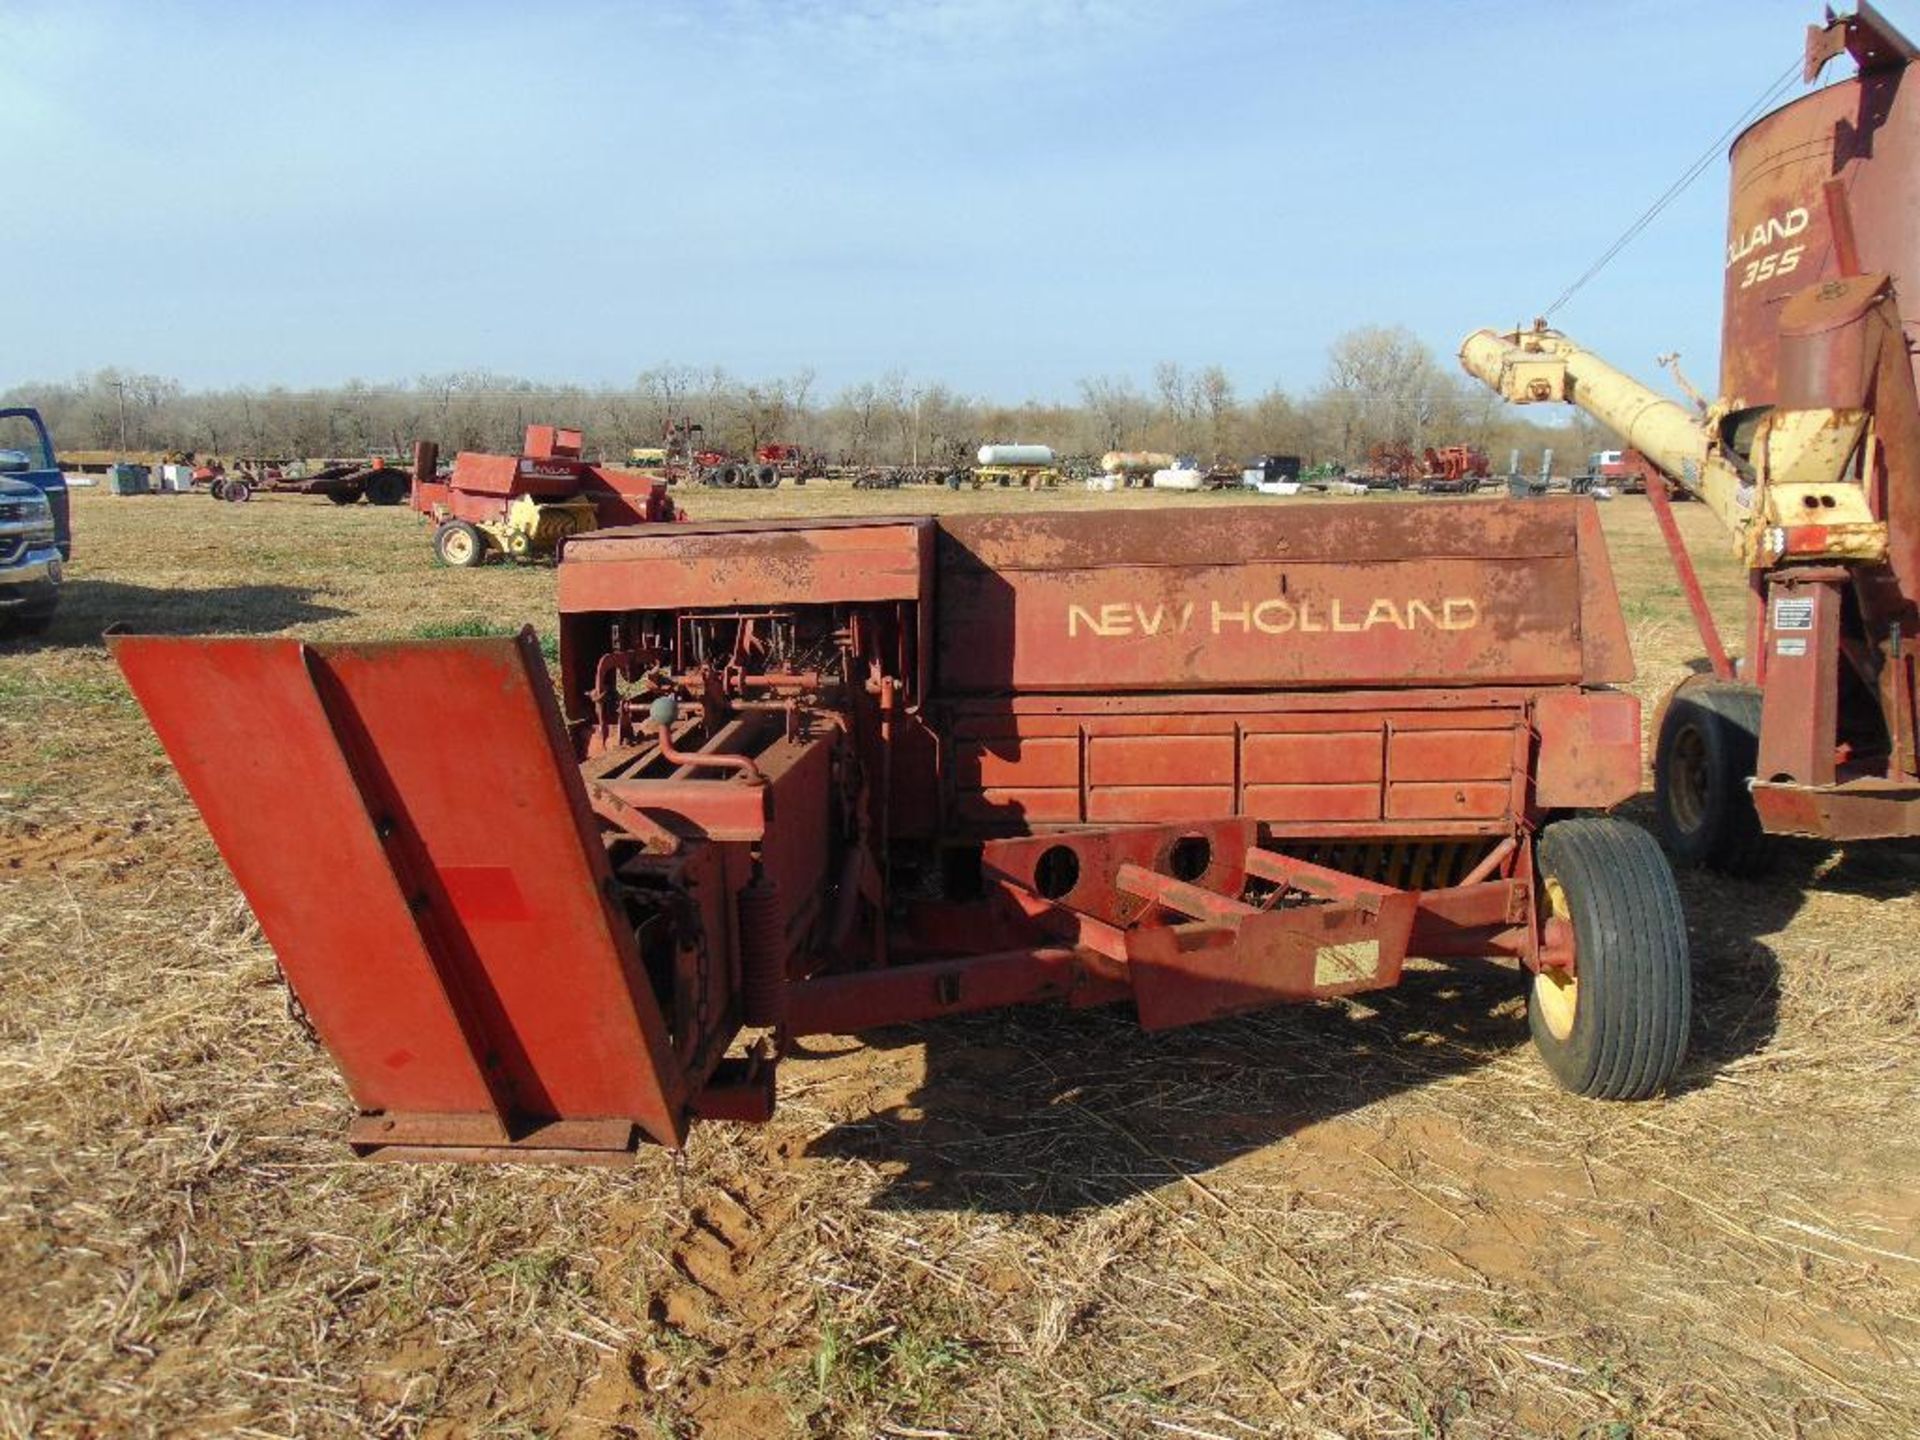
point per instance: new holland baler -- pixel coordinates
(821, 776)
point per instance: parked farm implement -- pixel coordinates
(344, 482)
(526, 507)
(1811, 457)
(818, 777)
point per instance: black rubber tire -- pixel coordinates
(237, 492)
(1708, 746)
(217, 487)
(728, 477)
(1634, 1002)
(388, 487)
(469, 545)
(344, 497)
(767, 478)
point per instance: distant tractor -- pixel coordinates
(526, 507)
(686, 459)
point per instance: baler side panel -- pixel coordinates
(1349, 596)
(446, 924)
(292, 825)
(1599, 622)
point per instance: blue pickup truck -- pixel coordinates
(36, 534)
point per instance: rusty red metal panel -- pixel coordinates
(1801, 699)
(844, 1004)
(1305, 803)
(1089, 883)
(494, 900)
(745, 563)
(510, 863)
(1186, 974)
(1031, 761)
(1589, 755)
(1158, 760)
(1862, 132)
(297, 834)
(1348, 756)
(1450, 755)
(1448, 800)
(1343, 595)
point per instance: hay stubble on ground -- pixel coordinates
(1374, 1218)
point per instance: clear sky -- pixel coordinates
(1006, 195)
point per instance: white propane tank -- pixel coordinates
(1016, 455)
(1176, 479)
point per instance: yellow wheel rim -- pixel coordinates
(458, 547)
(1556, 992)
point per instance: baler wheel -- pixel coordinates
(460, 545)
(1615, 1028)
(1708, 747)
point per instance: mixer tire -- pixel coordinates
(1615, 1026)
(460, 545)
(1707, 751)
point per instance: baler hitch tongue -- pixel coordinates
(450, 929)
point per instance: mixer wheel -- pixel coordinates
(1708, 748)
(1613, 1025)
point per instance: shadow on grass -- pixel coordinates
(89, 607)
(1054, 1111)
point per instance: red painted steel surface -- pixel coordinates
(1340, 595)
(827, 776)
(1863, 131)
(477, 924)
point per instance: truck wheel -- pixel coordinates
(1616, 1028)
(768, 478)
(387, 488)
(460, 545)
(1708, 746)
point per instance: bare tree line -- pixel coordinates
(1381, 386)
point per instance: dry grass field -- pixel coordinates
(1375, 1219)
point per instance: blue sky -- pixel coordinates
(1006, 195)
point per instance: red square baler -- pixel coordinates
(822, 776)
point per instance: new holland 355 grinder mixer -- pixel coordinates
(807, 777)
(1811, 457)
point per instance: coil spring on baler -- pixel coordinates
(763, 954)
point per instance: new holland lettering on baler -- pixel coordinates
(817, 777)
